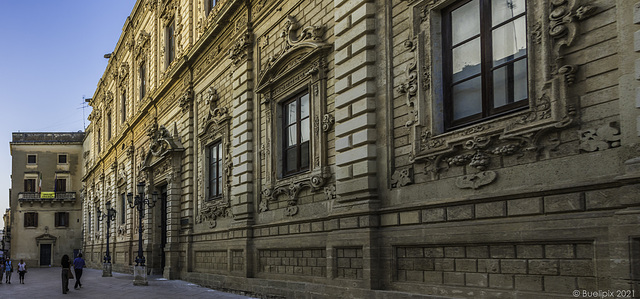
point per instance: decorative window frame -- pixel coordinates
(169, 16)
(216, 127)
(300, 66)
(551, 27)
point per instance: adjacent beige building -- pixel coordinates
(365, 148)
(45, 204)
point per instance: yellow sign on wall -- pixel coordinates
(47, 195)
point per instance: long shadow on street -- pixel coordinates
(47, 283)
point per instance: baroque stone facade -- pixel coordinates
(327, 147)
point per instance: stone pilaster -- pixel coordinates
(629, 80)
(355, 88)
(242, 131)
(172, 248)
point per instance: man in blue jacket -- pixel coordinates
(78, 264)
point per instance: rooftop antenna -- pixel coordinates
(85, 104)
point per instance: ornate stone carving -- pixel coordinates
(401, 178)
(327, 122)
(563, 27)
(308, 42)
(540, 110)
(409, 88)
(212, 98)
(291, 189)
(475, 180)
(168, 10)
(427, 143)
(161, 140)
(569, 73)
(124, 70)
(186, 100)
(602, 138)
(142, 44)
(536, 33)
(240, 50)
(151, 5)
(212, 210)
(108, 96)
(309, 34)
(330, 192)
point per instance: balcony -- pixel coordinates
(42, 197)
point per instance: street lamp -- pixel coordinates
(140, 202)
(109, 216)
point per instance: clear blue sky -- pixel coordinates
(51, 56)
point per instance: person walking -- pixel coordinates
(8, 269)
(22, 269)
(66, 273)
(78, 265)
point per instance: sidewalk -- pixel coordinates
(43, 283)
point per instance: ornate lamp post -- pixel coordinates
(109, 216)
(139, 202)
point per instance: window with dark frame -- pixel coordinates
(30, 219)
(485, 59)
(62, 159)
(143, 80)
(215, 170)
(62, 219)
(123, 210)
(61, 185)
(170, 46)
(31, 159)
(123, 107)
(296, 135)
(29, 185)
(99, 140)
(109, 126)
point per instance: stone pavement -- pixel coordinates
(46, 283)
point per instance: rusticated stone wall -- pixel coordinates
(538, 201)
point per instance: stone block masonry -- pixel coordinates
(533, 267)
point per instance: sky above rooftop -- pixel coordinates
(51, 58)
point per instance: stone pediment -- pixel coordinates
(46, 238)
(162, 144)
(299, 50)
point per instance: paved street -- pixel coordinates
(46, 283)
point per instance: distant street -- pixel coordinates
(46, 283)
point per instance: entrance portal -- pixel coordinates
(45, 254)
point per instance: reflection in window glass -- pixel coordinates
(297, 133)
(466, 60)
(467, 98)
(485, 59)
(509, 41)
(465, 22)
(510, 83)
(502, 10)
